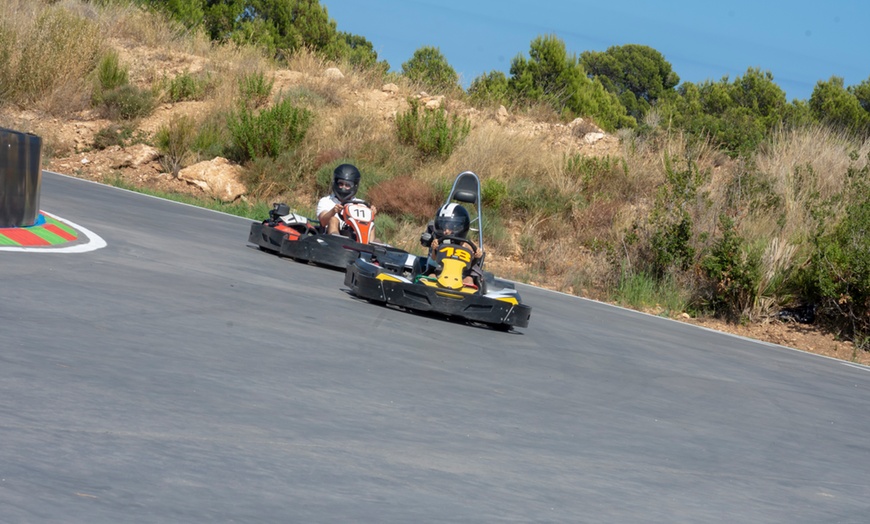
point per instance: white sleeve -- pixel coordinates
(323, 205)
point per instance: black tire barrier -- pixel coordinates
(20, 178)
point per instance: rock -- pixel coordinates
(591, 138)
(501, 115)
(136, 156)
(333, 73)
(218, 178)
(390, 88)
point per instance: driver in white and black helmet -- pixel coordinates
(345, 183)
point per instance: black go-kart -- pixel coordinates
(295, 236)
(384, 277)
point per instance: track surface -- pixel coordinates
(178, 375)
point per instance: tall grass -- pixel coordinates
(46, 55)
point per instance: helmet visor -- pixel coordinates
(456, 226)
(344, 189)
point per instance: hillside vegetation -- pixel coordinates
(716, 199)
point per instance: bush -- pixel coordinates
(114, 135)
(594, 173)
(268, 133)
(671, 224)
(491, 88)
(128, 102)
(266, 176)
(429, 67)
(255, 89)
(734, 272)
(212, 136)
(404, 196)
(175, 140)
(839, 270)
(187, 86)
(431, 132)
(111, 74)
(493, 193)
(552, 76)
(735, 116)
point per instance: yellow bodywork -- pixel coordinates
(388, 277)
(451, 273)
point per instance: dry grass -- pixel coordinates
(130, 23)
(47, 53)
(492, 151)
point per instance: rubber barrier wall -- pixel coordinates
(20, 178)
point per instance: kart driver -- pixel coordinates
(345, 183)
(451, 220)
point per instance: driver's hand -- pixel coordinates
(374, 211)
(336, 209)
(434, 243)
(478, 253)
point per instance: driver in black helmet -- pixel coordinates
(452, 220)
(345, 183)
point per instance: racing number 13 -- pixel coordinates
(461, 254)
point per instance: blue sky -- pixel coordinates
(799, 42)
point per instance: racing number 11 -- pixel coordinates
(361, 213)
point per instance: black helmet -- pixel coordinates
(349, 173)
(453, 217)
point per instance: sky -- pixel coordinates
(799, 42)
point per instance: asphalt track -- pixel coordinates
(178, 375)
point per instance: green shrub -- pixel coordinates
(266, 176)
(839, 270)
(734, 272)
(493, 193)
(671, 244)
(593, 172)
(128, 102)
(268, 133)
(535, 198)
(175, 141)
(114, 135)
(111, 74)
(552, 76)
(386, 227)
(212, 136)
(671, 225)
(491, 88)
(429, 67)
(187, 86)
(433, 133)
(255, 89)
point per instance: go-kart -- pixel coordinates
(292, 235)
(389, 278)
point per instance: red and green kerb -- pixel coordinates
(47, 232)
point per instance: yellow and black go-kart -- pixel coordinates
(409, 282)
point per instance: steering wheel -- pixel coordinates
(458, 240)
